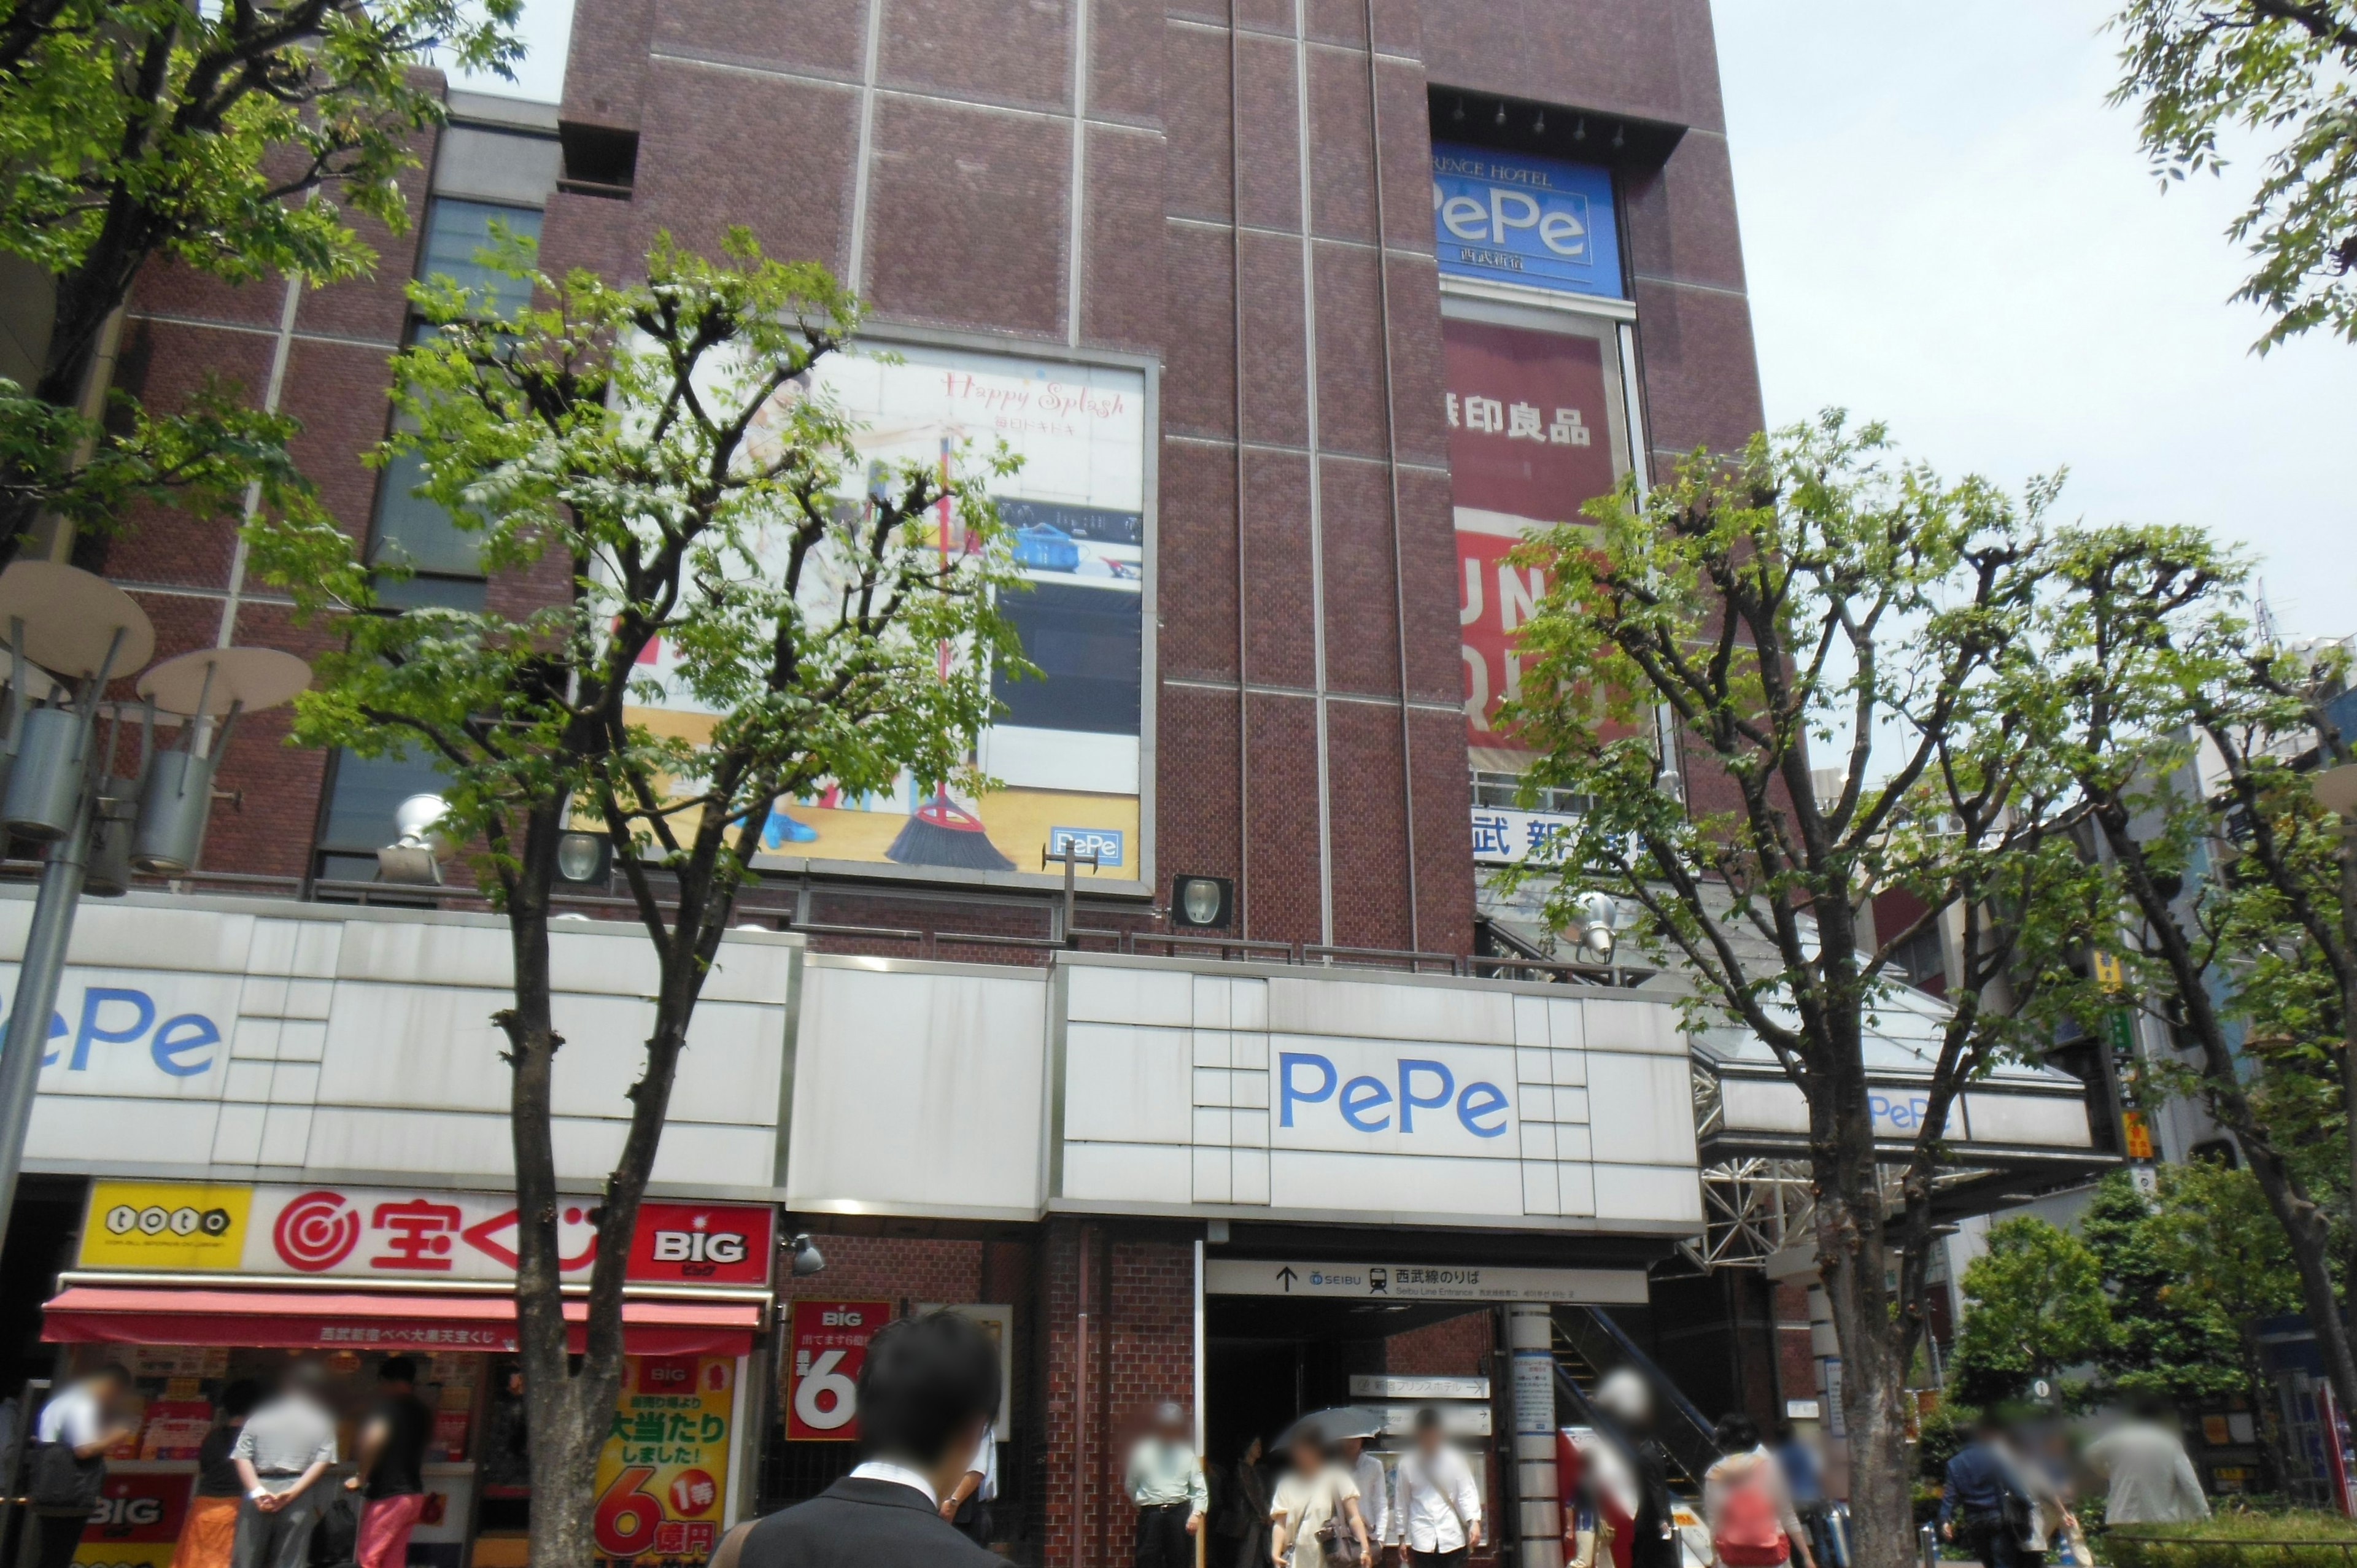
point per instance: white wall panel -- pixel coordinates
(1642, 1110)
(919, 1090)
(1127, 1084)
(2027, 1119)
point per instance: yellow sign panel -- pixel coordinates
(166, 1225)
(662, 1478)
(2138, 1139)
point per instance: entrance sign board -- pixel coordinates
(1420, 1282)
(1397, 1386)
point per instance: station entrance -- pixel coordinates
(1269, 1360)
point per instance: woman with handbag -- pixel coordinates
(1314, 1519)
(70, 1440)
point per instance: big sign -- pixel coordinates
(827, 1346)
(1531, 222)
(662, 1476)
(391, 1233)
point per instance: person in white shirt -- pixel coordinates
(1436, 1512)
(87, 1419)
(1374, 1489)
(968, 1504)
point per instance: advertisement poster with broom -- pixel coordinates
(1063, 756)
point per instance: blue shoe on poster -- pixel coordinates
(782, 830)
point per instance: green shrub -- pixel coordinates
(2237, 1538)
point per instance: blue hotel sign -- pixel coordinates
(1540, 222)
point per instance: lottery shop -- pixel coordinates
(194, 1286)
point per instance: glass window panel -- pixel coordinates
(368, 790)
(456, 231)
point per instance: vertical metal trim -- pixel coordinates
(1391, 470)
(1060, 994)
(279, 353)
(1201, 1353)
(740, 1483)
(855, 267)
(1078, 201)
(1317, 498)
(1081, 1399)
(1641, 467)
(1149, 664)
(1244, 633)
(788, 1046)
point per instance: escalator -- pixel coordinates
(1588, 1344)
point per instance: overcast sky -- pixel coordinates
(1947, 228)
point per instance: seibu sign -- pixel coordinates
(393, 1233)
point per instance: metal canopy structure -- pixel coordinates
(2023, 1130)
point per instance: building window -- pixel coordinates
(410, 530)
(362, 796)
(1504, 790)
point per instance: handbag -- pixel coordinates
(64, 1483)
(1337, 1543)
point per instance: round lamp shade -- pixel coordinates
(217, 679)
(71, 619)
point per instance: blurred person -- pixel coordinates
(1804, 1482)
(1435, 1515)
(285, 1446)
(392, 1471)
(1984, 1494)
(1746, 1502)
(1239, 1523)
(2049, 1514)
(1314, 1519)
(2148, 1479)
(1164, 1479)
(72, 1436)
(209, 1531)
(968, 1505)
(1374, 1489)
(1623, 1397)
(927, 1395)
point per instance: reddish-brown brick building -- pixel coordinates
(1354, 290)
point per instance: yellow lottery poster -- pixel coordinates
(165, 1225)
(662, 1476)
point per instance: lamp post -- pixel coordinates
(69, 634)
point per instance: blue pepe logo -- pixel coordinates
(1370, 1104)
(181, 1045)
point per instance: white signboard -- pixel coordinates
(1456, 1419)
(1385, 1385)
(1387, 1097)
(1534, 1391)
(1420, 1282)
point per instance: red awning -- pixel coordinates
(372, 1320)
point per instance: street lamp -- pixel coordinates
(69, 634)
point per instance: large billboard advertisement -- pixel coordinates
(1535, 223)
(1063, 756)
(1532, 435)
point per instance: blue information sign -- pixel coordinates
(1511, 217)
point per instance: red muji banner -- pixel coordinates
(826, 1344)
(1529, 442)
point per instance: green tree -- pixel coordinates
(2189, 735)
(2278, 73)
(1756, 607)
(662, 449)
(2211, 1232)
(2034, 1305)
(226, 138)
(2164, 1341)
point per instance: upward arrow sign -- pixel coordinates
(1286, 1276)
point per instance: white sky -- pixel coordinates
(1944, 227)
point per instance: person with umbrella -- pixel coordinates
(1314, 1518)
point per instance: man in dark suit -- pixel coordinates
(928, 1394)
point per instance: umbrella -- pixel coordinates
(1333, 1424)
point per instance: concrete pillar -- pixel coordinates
(1530, 1335)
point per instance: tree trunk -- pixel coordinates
(1851, 1262)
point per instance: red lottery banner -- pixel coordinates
(827, 1344)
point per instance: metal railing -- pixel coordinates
(928, 940)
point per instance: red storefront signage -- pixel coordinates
(827, 1344)
(379, 1233)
